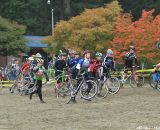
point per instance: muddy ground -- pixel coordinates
(130, 109)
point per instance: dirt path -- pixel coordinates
(130, 109)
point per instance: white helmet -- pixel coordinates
(38, 55)
(31, 59)
(109, 51)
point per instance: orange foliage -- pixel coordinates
(143, 33)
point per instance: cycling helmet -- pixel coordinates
(38, 55)
(60, 51)
(98, 54)
(109, 51)
(131, 47)
(33, 56)
(30, 58)
(85, 52)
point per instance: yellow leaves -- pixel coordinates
(88, 30)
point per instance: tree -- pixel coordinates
(143, 33)
(11, 38)
(135, 7)
(88, 30)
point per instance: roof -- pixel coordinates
(35, 42)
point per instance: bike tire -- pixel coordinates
(65, 86)
(86, 92)
(102, 91)
(158, 86)
(115, 85)
(152, 83)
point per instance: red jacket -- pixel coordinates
(25, 67)
(95, 65)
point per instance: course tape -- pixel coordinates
(52, 81)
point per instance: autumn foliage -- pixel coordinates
(143, 33)
(107, 27)
(88, 31)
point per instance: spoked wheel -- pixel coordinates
(141, 80)
(152, 80)
(158, 86)
(113, 85)
(133, 83)
(18, 83)
(65, 86)
(102, 90)
(88, 89)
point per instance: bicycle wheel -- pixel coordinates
(152, 81)
(102, 90)
(88, 89)
(65, 86)
(113, 85)
(158, 86)
(141, 80)
(133, 83)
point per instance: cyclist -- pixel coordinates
(108, 62)
(95, 65)
(82, 66)
(39, 71)
(71, 60)
(60, 65)
(130, 60)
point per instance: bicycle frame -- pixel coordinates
(124, 77)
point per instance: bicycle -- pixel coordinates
(63, 81)
(87, 87)
(129, 77)
(155, 80)
(107, 85)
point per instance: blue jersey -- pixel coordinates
(109, 63)
(73, 62)
(83, 63)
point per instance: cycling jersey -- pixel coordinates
(72, 62)
(83, 64)
(130, 59)
(25, 67)
(38, 72)
(109, 63)
(60, 64)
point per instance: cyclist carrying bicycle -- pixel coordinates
(39, 71)
(130, 60)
